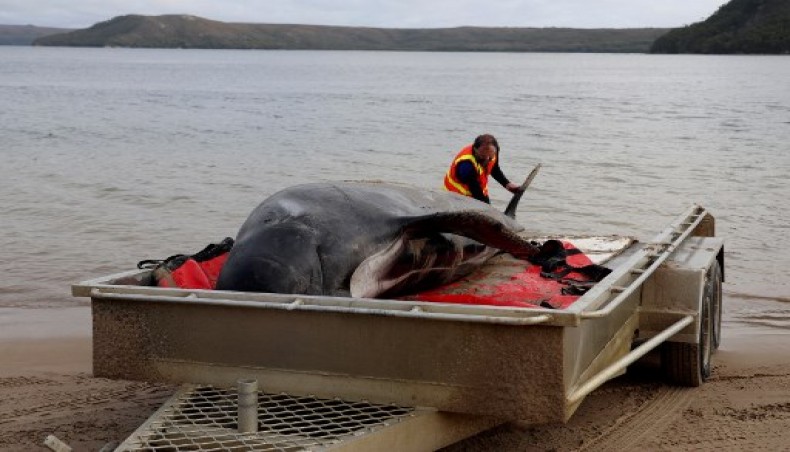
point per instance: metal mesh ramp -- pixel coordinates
(203, 418)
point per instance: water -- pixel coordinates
(110, 156)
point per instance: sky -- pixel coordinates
(374, 13)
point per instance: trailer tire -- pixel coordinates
(688, 364)
(713, 288)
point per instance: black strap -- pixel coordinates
(209, 252)
(213, 250)
(149, 263)
(552, 258)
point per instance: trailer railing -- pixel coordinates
(314, 304)
(629, 277)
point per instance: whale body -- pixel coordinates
(366, 240)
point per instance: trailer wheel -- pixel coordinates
(713, 287)
(687, 364)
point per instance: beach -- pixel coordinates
(47, 389)
(46, 386)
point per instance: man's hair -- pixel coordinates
(484, 140)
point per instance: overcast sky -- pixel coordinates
(375, 13)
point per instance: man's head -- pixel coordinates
(485, 148)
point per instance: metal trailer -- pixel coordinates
(438, 372)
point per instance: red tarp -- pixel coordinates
(522, 286)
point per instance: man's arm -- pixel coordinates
(499, 176)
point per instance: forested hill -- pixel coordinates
(180, 31)
(740, 26)
(23, 35)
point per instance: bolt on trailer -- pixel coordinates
(458, 368)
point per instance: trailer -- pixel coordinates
(335, 373)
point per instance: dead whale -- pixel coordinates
(366, 240)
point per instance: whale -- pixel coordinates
(368, 240)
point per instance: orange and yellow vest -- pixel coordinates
(451, 182)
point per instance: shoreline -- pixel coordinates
(47, 388)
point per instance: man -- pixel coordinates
(469, 171)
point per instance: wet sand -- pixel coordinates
(46, 388)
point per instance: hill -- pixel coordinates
(740, 26)
(180, 31)
(24, 35)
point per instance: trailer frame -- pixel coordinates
(666, 292)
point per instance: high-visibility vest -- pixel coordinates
(451, 182)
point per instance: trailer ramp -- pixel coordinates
(202, 418)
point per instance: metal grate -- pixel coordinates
(201, 418)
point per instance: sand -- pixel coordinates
(46, 388)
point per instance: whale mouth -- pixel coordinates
(410, 264)
(368, 279)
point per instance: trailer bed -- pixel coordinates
(532, 364)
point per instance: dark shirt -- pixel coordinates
(467, 174)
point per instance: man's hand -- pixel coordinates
(511, 187)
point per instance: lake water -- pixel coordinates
(110, 156)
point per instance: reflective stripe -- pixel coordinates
(450, 184)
